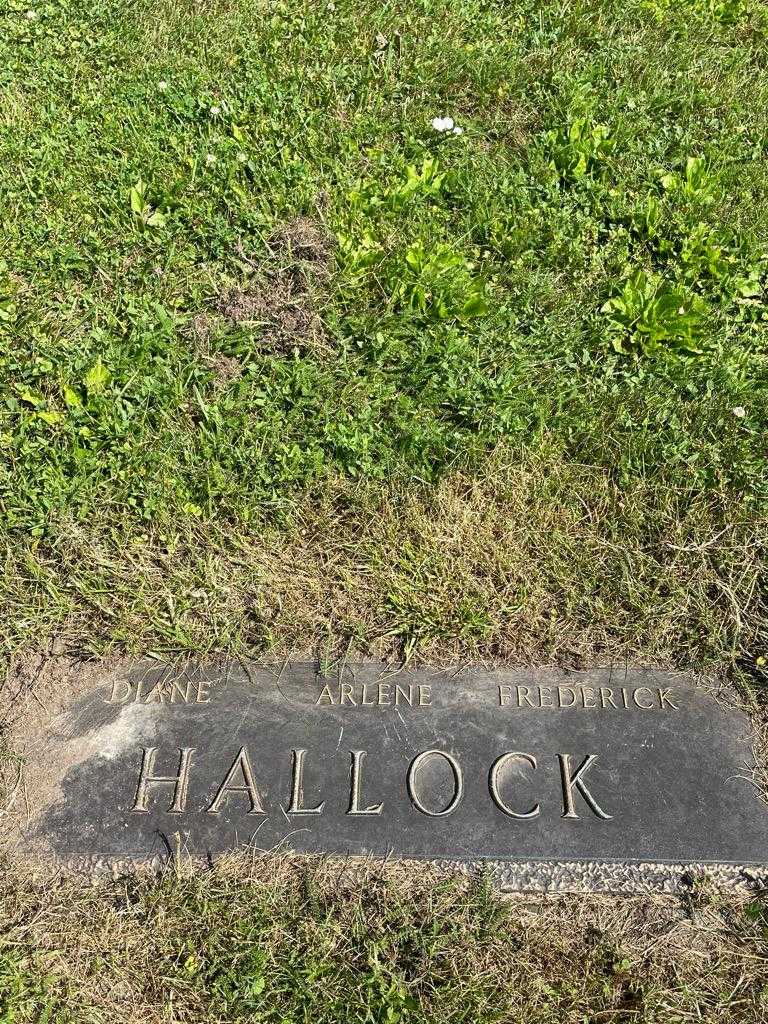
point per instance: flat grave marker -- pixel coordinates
(610, 780)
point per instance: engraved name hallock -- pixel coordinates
(512, 767)
(239, 788)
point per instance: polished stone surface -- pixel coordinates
(548, 776)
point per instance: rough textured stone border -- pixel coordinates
(612, 876)
(512, 876)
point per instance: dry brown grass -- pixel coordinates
(288, 939)
(539, 562)
(533, 563)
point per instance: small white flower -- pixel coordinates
(215, 111)
(739, 412)
(442, 124)
(458, 131)
(242, 158)
(210, 159)
(31, 15)
(162, 86)
(331, 7)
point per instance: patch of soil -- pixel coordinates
(34, 694)
(200, 328)
(302, 240)
(283, 301)
(39, 682)
(286, 318)
(226, 368)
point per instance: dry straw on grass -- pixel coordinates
(538, 562)
(329, 945)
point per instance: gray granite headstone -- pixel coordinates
(550, 780)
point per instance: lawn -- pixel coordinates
(284, 365)
(433, 329)
(285, 942)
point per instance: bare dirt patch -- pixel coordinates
(226, 368)
(285, 318)
(282, 303)
(304, 241)
(34, 694)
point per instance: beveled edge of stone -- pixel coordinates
(542, 876)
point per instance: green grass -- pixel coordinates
(297, 942)
(253, 304)
(283, 368)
